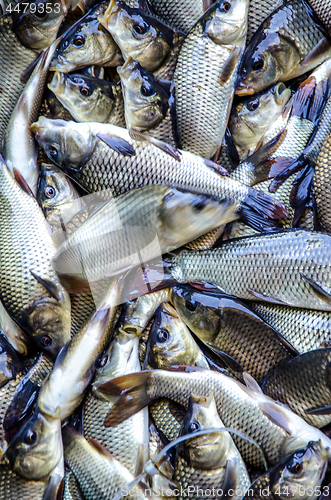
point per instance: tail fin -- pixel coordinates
(133, 396)
(260, 211)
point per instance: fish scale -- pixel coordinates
(322, 178)
(322, 9)
(257, 12)
(13, 486)
(180, 14)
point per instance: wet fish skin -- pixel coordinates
(168, 417)
(139, 312)
(89, 99)
(227, 324)
(278, 49)
(86, 43)
(13, 486)
(322, 186)
(12, 332)
(170, 342)
(10, 365)
(257, 13)
(321, 8)
(71, 489)
(296, 475)
(205, 461)
(182, 15)
(239, 407)
(85, 158)
(205, 77)
(264, 256)
(292, 385)
(44, 317)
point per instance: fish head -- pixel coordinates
(146, 100)
(140, 36)
(204, 452)
(48, 324)
(251, 117)
(85, 97)
(169, 341)
(37, 447)
(269, 58)
(65, 144)
(10, 365)
(184, 216)
(199, 311)
(121, 358)
(85, 44)
(226, 21)
(36, 27)
(301, 472)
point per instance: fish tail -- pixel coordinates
(260, 211)
(133, 395)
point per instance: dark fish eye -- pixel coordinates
(193, 427)
(79, 40)
(49, 192)
(295, 468)
(53, 152)
(190, 306)
(225, 7)
(258, 65)
(45, 341)
(30, 437)
(141, 28)
(85, 91)
(162, 336)
(147, 89)
(102, 361)
(40, 13)
(253, 105)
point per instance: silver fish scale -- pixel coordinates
(202, 103)
(82, 308)
(236, 409)
(25, 246)
(322, 185)
(188, 476)
(71, 490)
(305, 329)
(323, 130)
(322, 9)
(14, 59)
(258, 11)
(182, 14)
(168, 417)
(121, 441)
(13, 486)
(268, 265)
(6, 396)
(107, 169)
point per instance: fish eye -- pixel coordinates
(85, 91)
(40, 13)
(45, 341)
(162, 336)
(295, 468)
(49, 192)
(253, 105)
(141, 28)
(147, 89)
(53, 152)
(225, 7)
(193, 427)
(258, 65)
(190, 306)
(79, 40)
(102, 361)
(30, 437)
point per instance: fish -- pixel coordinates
(321, 186)
(29, 289)
(210, 461)
(304, 385)
(86, 43)
(14, 59)
(138, 313)
(71, 489)
(181, 15)
(321, 8)
(277, 429)
(111, 240)
(170, 342)
(265, 268)
(36, 25)
(52, 108)
(89, 99)
(146, 39)
(297, 475)
(146, 103)
(20, 149)
(305, 329)
(230, 328)
(57, 196)
(13, 334)
(128, 442)
(168, 417)
(253, 116)
(85, 155)
(39, 455)
(279, 51)
(99, 475)
(10, 365)
(13, 486)
(205, 77)
(258, 12)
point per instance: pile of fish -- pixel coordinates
(165, 249)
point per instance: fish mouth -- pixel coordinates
(57, 82)
(110, 13)
(126, 69)
(243, 89)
